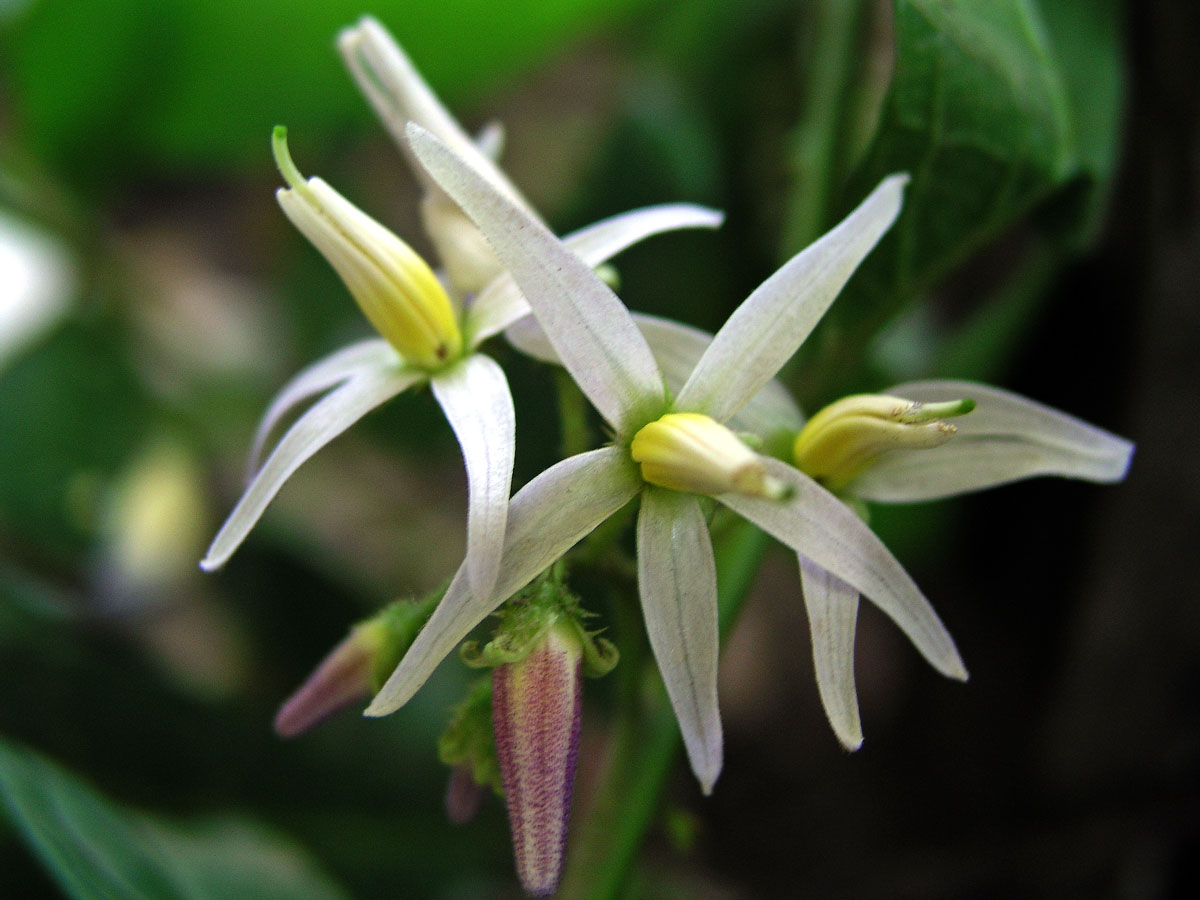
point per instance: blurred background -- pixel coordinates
(153, 298)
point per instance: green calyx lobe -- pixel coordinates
(468, 739)
(545, 604)
(394, 628)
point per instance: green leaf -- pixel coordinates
(1086, 35)
(72, 408)
(98, 850)
(978, 114)
(115, 90)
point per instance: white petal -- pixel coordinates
(373, 353)
(677, 579)
(820, 527)
(501, 303)
(832, 615)
(490, 140)
(545, 518)
(588, 326)
(1006, 438)
(312, 431)
(475, 397)
(399, 94)
(677, 348)
(767, 329)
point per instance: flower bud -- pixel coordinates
(539, 653)
(396, 290)
(536, 715)
(356, 667)
(693, 452)
(846, 437)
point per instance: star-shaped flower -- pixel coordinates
(894, 447)
(429, 334)
(682, 448)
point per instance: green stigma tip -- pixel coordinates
(283, 159)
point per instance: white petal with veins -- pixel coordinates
(545, 519)
(475, 397)
(399, 94)
(339, 366)
(1006, 437)
(589, 327)
(832, 607)
(767, 329)
(327, 419)
(501, 302)
(677, 348)
(677, 580)
(820, 527)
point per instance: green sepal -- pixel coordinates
(468, 739)
(394, 628)
(528, 616)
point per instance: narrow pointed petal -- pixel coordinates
(545, 518)
(1006, 438)
(398, 93)
(588, 326)
(820, 527)
(832, 615)
(335, 368)
(677, 348)
(312, 431)
(475, 397)
(767, 329)
(677, 580)
(501, 303)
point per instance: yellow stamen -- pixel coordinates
(695, 453)
(396, 290)
(846, 437)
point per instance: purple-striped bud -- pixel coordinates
(343, 678)
(536, 712)
(356, 667)
(464, 795)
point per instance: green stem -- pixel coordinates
(645, 741)
(572, 413)
(832, 58)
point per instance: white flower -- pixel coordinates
(428, 334)
(913, 457)
(602, 348)
(400, 95)
(1002, 437)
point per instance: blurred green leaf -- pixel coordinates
(122, 88)
(97, 850)
(72, 408)
(978, 115)
(1087, 39)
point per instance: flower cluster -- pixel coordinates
(692, 417)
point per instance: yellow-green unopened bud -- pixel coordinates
(396, 290)
(847, 436)
(693, 452)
